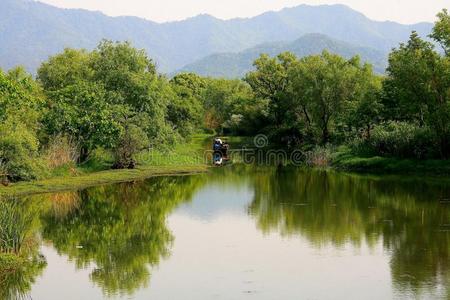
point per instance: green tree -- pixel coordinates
(20, 113)
(441, 31)
(65, 69)
(366, 111)
(270, 81)
(132, 140)
(185, 111)
(131, 75)
(82, 111)
(323, 86)
(224, 98)
(93, 95)
(418, 82)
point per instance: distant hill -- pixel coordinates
(236, 65)
(31, 31)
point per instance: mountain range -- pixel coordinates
(236, 65)
(30, 31)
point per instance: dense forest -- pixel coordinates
(113, 99)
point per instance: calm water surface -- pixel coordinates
(239, 233)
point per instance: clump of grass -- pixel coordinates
(61, 151)
(15, 228)
(319, 157)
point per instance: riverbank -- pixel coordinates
(97, 178)
(183, 159)
(346, 161)
(189, 158)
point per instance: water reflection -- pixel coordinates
(120, 228)
(330, 208)
(120, 233)
(20, 260)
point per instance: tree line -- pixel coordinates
(113, 98)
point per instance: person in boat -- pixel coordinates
(220, 149)
(217, 144)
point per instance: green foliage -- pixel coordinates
(224, 99)
(325, 87)
(270, 81)
(92, 94)
(64, 69)
(185, 111)
(311, 100)
(398, 139)
(19, 122)
(131, 142)
(441, 31)
(81, 110)
(418, 85)
(18, 152)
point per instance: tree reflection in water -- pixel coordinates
(331, 208)
(119, 228)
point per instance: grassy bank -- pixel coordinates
(103, 177)
(346, 161)
(182, 159)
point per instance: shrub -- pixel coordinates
(320, 156)
(398, 139)
(18, 152)
(130, 143)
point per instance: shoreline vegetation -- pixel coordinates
(108, 115)
(183, 160)
(347, 162)
(62, 184)
(186, 160)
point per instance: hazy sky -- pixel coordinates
(404, 11)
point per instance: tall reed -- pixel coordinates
(15, 227)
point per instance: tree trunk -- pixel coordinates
(84, 155)
(325, 135)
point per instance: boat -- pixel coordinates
(220, 152)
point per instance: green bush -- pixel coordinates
(130, 143)
(19, 153)
(398, 139)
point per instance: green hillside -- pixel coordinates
(235, 65)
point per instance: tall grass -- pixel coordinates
(319, 157)
(15, 227)
(61, 151)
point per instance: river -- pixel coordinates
(238, 232)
